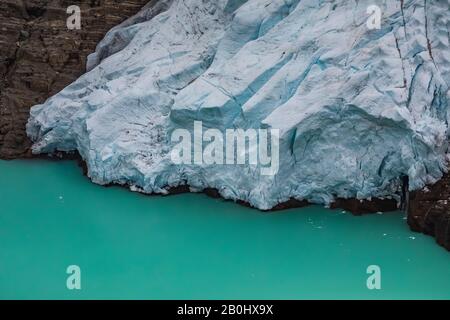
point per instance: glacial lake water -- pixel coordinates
(190, 246)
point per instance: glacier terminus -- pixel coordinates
(358, 110)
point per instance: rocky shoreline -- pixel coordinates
(39, 57)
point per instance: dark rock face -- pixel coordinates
(429, 211)
(360, 207)
(39, 56)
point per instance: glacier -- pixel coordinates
(357, 109)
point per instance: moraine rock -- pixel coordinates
(39, 56)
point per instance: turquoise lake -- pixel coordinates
(190, 246)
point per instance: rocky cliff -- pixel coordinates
(429, 211)
(39, 56)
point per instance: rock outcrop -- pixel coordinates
(39, 56)
(357, 109)
(429, 211)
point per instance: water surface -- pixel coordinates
(190, 246)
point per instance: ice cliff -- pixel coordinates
(357, 109)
